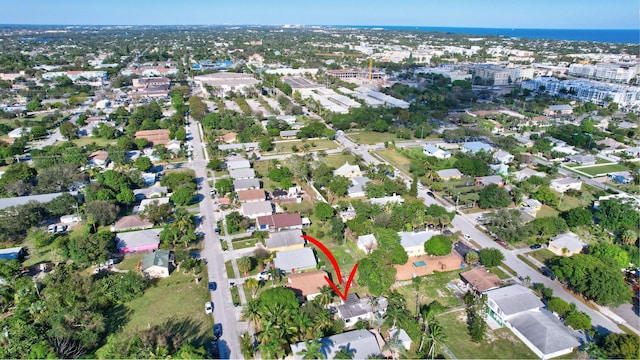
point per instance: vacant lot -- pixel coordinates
(286, 147)
(371, 137)
(395, 158)
(337, 160)
(598, 170)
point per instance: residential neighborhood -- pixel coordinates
(317, 192)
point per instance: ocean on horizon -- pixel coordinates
(621, 36)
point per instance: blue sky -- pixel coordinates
(553, 14)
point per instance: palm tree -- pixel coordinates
(395, 346)
(252, 312)
(303, 324)
(252, 284)
(313, 350)
(436, 338)
(182, 220)
(246, 346)
(274, 273)
(345, 353)
(326, 295)
(443, 220)
(417, 284)
(244, 264)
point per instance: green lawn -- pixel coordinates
(372, 137)
(244, 243)
(546, 211)
(337, 160)
(177, 299)
(498, 344)
(130, 262)
(501, 274)
(601, 170)
(229, 268)
(87, 140)
(542, 255)
(434, 287)
(314, 145)
(395, 158)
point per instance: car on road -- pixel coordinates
(208, 307)
(217, 330)
(430, 194)
(212, 286)
(447, 232)
(535, 246)
(502, 242)
(466, 236)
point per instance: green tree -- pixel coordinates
(578, 320)
(620, 346)
(244, 264)
(224, 186)
(617, 215)
(577, 217)
(101, 213)
(472, 258)
(558, 306)
(182, 196)
(492, 196)
(389, 243)
(157, 213)
(438, 245)
(266, 143)
(143, 164)
(69, 130)
(546, 196)
(324, 211)
(610, 254)
(491, 257)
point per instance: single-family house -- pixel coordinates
(292, 261)
(154, 137)
(242, 173)
(21, 200)
(279, 194)
(253, 195)
(488, 180)
(432, 150)
(143, 240)
(581, 159)
(503, 157)
(99, 158)
(246, 184)
(149, 178)
(627, 125)
(633, 152)
(348, 171)
(354, 309)
(285, 240)
(413, 241)
(279, 222)
(157, 264)
(146, 202)
(499, 169)
(520, 310)
(12, 253)
(238, 164)
(475, 146)
(449, 174)
(174, 146)
(256, 209)
(362, 344)
(480, 279)
(356, 189)
(289, 134)
(367, 243)
(609, 143)
(394, 199)
(621, 177)
(347, 214)
(307, 285)
(150, 192)
(566, 244)
(532, 204)
(524, 174)
(402, 337)
(18, 132)
(228, 137)
(564, 184)
(131, 222)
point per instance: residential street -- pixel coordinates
(223, 311)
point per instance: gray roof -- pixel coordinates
(133, 239)
(250, 145)
(257, 208)
(238, 164)
(242, 173)
(244, 184)
(369, 239)
(567, 240)
(402, 336)
(476, 146)
(411, 239)
(560, 107)
(157, 258)
(514, 299)
(357, 184)
(287, 133)
(150, 191)
(361, 343)
(284, 238)
(387, 200)
(448, 173)
(146, 202)
(544, 331)
(492, 179)
(298, 259)
(21, 200)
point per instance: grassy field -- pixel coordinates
(314, 145)
(229, 268)
(601, 170)
(542, 255)
(498, 344)
(177, 299)
(501, 274)
(371, 137)
(244, 243)
(395, 158)
(546, 211)
(337, 160)
(434, 287)
(88, 140)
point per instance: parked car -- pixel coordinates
(535, 246)
(502, 242)
(208, 307)
(447, 232)
(212, 286)
(217, 330)
(467, 236)
(430, 194)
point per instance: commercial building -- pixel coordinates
(224, 82)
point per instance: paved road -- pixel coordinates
(223, 312)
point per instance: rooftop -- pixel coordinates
(514, 299)
(295, 260)
(134, 239)
(361, 343)
(307, 283)
(481, 279)
(284, 238)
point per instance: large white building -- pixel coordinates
(224, 82)
(586, 90)
(75, 75)
(620, 73)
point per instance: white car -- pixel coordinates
(208, 307)
(467, 236)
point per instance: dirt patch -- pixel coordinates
(433, 263)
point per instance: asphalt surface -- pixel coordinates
(223, 311)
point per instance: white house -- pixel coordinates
(475, 146)
(367, 243)
(361, 343)
(503, 157)
(564, 184)
(520, 310)
(413, 242)
(355, 309)
(253, 210)
(295, 260)
(566, 244)
(431, 150)
(348, 171)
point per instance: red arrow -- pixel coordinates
(346, 287)
(329, 255)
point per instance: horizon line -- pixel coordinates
(331, 25)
